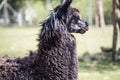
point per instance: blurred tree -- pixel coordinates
(99, 20)
(6, 13)
(82, 5)
(16, 4)
(10, 8)
(107, 4)
(116, 14)
(48, 4)
(90, 17)
(119, 14)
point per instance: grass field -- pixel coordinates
(17, 41)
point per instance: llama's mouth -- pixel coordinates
(83, 30)
(83, 25)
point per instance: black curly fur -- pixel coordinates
(56, 57)
(57, 49)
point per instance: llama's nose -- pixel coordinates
(86, 23)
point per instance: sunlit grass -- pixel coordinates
(17, 41)
(104, 71)
(95, 75)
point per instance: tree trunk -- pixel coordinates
(119, 14)
(6, 13)
(90, 12)
(116, 28)
(99, 14)
(48, 4)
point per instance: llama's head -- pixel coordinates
(75, 22)
(71, 17)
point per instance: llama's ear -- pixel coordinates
(65, 4)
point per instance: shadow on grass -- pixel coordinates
(99, 62)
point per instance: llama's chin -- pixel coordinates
(82, 32)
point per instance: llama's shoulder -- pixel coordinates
(7, 61)
(17, 68)
(15, 63)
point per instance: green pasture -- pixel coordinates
(17, 41)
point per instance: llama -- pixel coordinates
(56, 57)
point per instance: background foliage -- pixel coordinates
(83, 5)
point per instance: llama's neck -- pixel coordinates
(56, 47)
(52, 33)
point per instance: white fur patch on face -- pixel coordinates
(75, 26)
(82, 23)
